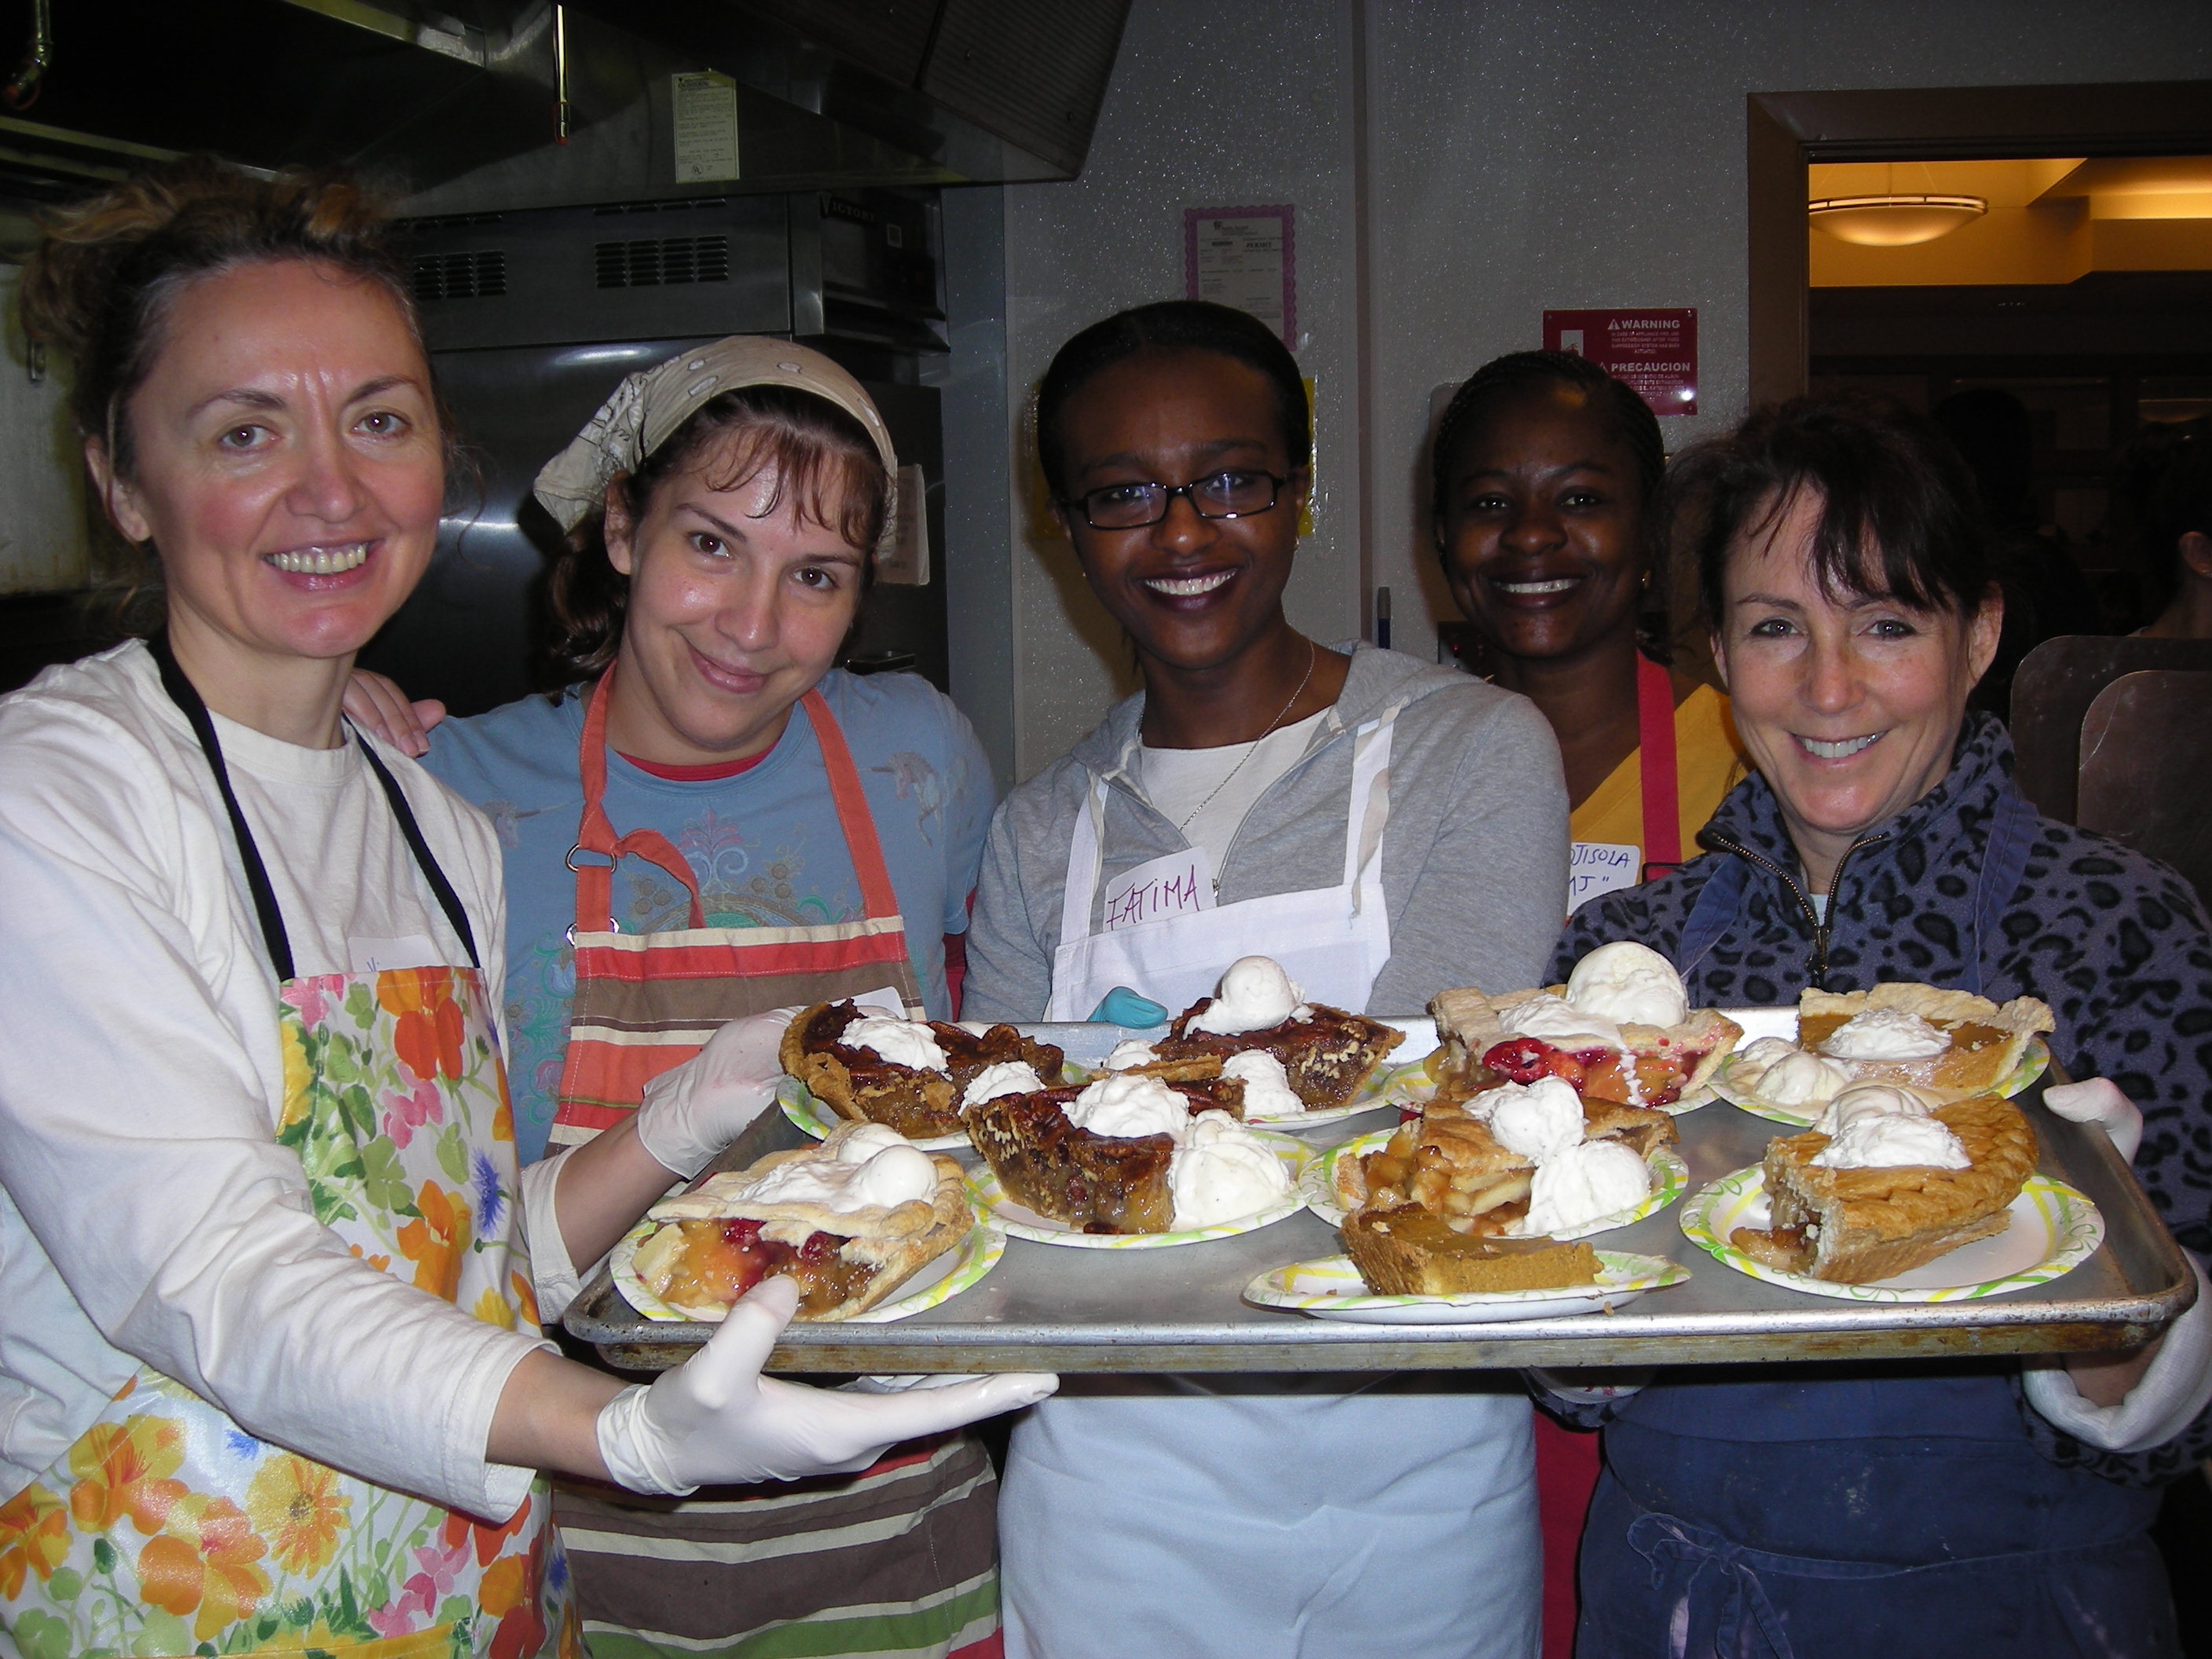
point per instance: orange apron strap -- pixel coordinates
(1663, 811)
(876, 897)
(595, 832)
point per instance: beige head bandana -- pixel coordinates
(648, 406)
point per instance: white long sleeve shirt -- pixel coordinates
(146, 1211)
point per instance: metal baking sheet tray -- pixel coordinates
(1047, 1308)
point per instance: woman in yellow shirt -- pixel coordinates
(1547, 472)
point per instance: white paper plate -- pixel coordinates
(1331, 1288)
(938, 1281)
(2054, 1230)
(1025, 1222)
(2032, 1061)
(813, 1114)
(1670, 1179)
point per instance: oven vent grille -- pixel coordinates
(477, 275)
(661, 261)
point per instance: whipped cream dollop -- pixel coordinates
(1886, 1034)
(1123, 1106)
(901, 1041)
(1268, 1091)
(1582, 1183)
(975, 1027)
(1799, 1079)
(1882, 1140)
(1254, 994)
(1006, 1076)
(1538, 1121)
(1220, 1172)
(1129, 1054)
(1559, 1023)
(861, 1173)
(1629, 984)
(1871, 1100)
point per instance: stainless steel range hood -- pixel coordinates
(501, 104)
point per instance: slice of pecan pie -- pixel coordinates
(1096, 1183)
(860, 1082)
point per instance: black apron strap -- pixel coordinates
(448, 900)
(185, 696)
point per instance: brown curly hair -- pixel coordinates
(108, 271)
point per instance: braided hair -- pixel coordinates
(1515, 375)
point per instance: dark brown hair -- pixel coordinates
(108, 271)
(823, 462)
(1899, 515)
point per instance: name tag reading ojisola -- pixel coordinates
(1602, 866)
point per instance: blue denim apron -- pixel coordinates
(1814, 1512)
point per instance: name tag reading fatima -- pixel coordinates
(1174, 885)
(1602, 866)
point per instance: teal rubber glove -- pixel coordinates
(1122, 1007)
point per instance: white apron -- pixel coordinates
(1263, 1517)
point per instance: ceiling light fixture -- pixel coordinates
(1894, 220)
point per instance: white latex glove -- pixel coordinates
(2098, 1100)
(689, 1115)
(715, 1420)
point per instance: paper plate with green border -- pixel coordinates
(1025, 1222)
(1331, 1288)
(958, 1269)
(2054, 1230)
(1670, 1178)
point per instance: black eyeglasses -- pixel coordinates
(1234, 495)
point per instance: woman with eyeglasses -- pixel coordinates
(1380, 827)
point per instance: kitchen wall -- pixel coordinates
(1517, 155)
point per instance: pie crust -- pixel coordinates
(1095, 1184)
(1987, 1040)
(1670, 1062)
(1853, 1227)
(845, 1261)
(860, 1084)
(1406, 1250)
(1326, 1057)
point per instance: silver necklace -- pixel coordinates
(1313, 656)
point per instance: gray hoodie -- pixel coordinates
(1474, 858)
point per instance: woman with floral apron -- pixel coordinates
(1383, 829)
(723, 828)
(271, 1379)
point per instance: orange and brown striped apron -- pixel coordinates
(646, 1002)
(902, 1558)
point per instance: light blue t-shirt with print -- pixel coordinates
(764, 845)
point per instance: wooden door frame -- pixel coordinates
(1786, 131)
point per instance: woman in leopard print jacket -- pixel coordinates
(1810, 1510)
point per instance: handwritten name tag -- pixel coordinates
(377, 956)
(1602, 866)
(1174, 885)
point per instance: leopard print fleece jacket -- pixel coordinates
(2116, 943)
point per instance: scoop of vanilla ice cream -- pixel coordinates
(1268, 1091)
(1123, 1106)
(1630, 984)
(1006, 1077)
(1559, 1023)
(1885, 1141)
(1750, 1062)
(864, 1141)
(885, 1176)
(1253, 994)
(1885, 1033)
(1537, 1120)
(1221, 1173)
(1130, 1052)
(901, 1041)
(1582, 1183)
(1871, 1100)
(1798, 1078)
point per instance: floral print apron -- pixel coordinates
(166, 1530)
